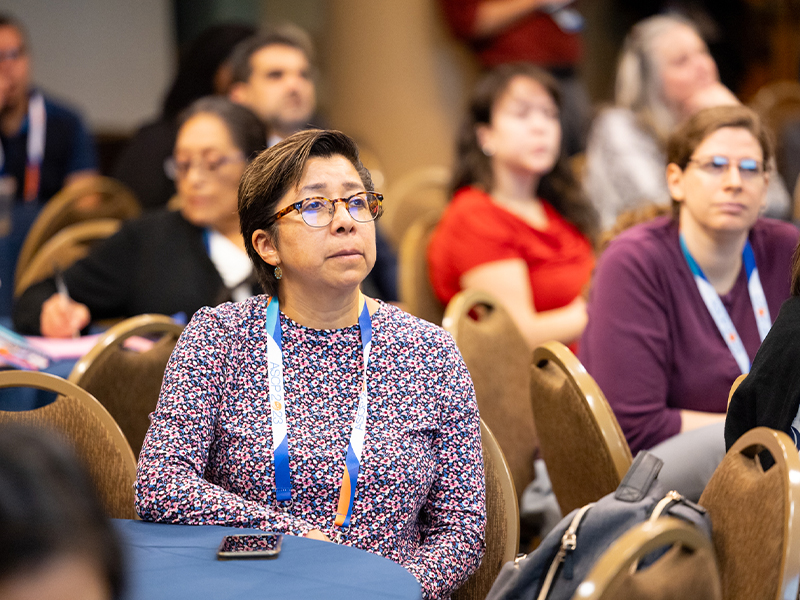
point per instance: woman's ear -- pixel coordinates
(675, 182)
(265, 247)
(483, 134)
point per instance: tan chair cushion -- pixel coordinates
(93, 444)
(578, 460)
(499, 361)
(747, 515)
(128, 383)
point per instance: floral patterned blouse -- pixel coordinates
(420, 501)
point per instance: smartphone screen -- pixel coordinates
(257, 545)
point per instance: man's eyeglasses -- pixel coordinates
(318, 211)
(178, 169)
(749, 168)
(12, 54)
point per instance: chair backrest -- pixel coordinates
(415, 289)
(753, 511)
(418, 193)
(688, 570)
(91, 198)
(97, 439)
(127, 382)
(502, 521)
(580, 440)
(66, 247)
(735, 385)
(498, 359)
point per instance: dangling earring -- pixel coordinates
(278, 272)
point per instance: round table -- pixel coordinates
(176, 562)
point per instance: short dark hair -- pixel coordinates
(284, 35)
(7, 20)
(247, 131)
(49, 507)
(685, 140)
(270, 176)
(559, 187)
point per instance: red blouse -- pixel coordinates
(475, 231)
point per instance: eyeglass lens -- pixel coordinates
(719, 165)
(318, 212)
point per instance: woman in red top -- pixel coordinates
(518, 225)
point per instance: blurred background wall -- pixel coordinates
(390, 73)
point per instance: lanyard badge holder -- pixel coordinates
(717, 310)
(280, 440)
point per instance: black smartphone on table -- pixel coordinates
(250, 545)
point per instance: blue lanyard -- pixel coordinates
(277, 397)
(717, 310)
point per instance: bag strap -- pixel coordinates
(641, 475)
(569, 541)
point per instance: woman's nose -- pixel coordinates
(341, 217)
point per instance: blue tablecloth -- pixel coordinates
(177, 562)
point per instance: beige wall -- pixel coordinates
(395, 80)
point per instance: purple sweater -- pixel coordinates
(651, 343)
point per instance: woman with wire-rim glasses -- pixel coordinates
(314, 410)
(679, 306)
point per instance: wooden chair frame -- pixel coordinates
(634, 545)
(462, 304)
(415, 241)
(116, 336)
(782, 448)
(51, 383)
(42, 263)
(561, 356)
(61, 202)
(478, 585)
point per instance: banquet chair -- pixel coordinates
(125, 381)
(97, 439)
(735, 385)
(580, 440)
(421, 192)
(502, 521)
(753, 509)
(66, 247)
(415, 289)
(498, 359)
(687, 571)
(90, 198)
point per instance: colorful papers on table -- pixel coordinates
(15, 351)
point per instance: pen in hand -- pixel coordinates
(63, 292)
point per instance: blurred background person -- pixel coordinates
(679, 306)
(518, 225)
(545, 33)
(44, 146)
(165, 262)
(203, 70)
(273, 76)
(55, 540)
(665, 75)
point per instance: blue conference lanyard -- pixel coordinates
(277, 398)
(717, 310)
